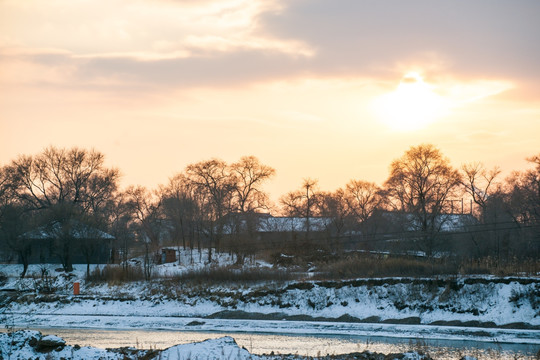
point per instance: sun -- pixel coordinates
(412, 105)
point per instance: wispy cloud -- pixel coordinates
(300, 116)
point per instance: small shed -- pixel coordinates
(168, 255)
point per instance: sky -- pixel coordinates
(330, 90)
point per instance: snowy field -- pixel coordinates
(123, 322)
(187, 261)
(27, 344)
(486, 309)
(30, 344)
(480, 302)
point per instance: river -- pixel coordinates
(312, 345)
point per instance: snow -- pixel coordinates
(280, 327)
(76, 229)
(187, 261)
(18, 345)
(167, 304)
(222, 348)
(295, 224)
(25, 345)
(53, 339)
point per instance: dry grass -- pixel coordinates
(366, 266)
(493, 266)
(231, 275)
(116, 274)
(361, 266)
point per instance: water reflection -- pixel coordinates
(294, 344)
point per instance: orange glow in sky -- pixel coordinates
(412, 106)
(310, 88)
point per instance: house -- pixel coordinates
(445, 223)
(84, 242)
(403, 232)
(266, 223)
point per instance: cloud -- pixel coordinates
(301, 116)
(482, 137)
(156, 29)
(213, 43)
(491, 38)
(147, 43)
(234, 42)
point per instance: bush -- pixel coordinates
(494, 266)
(231, 275)
(384, 266)
(378, 265)
(117, 274)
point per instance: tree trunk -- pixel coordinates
(23, 256)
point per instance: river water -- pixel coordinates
(297, 344)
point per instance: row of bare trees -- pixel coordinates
(59, 192)
(196, 205)
(212, 201)
(418, 198)
(57, 188)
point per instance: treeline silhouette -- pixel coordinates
(69, 200)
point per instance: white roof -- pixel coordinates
(299, 224)
(78, 231)
(268, 223)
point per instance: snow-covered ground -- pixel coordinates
(32, 345)
(186, 261)
(27, 344)
(483, 308)
(492, 301)
(120, 322)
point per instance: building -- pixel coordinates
(82, 242)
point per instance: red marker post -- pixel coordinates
(76, 288)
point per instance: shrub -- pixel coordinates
(231, 275)
(384, 266)
(117, 274)
(494, 266)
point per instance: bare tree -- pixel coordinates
(6, 195)
(181, 209)
(302, 202)
(363, 199)
(120, 217)
(420, 183)
(146, 207)
(212, 179)
(248, 175)
(480, 183)
(14, 222)
(59, 176)
(524, 195)
(332, 205)
(66, 184)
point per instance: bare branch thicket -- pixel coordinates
(420, 183)
(64, 187)
(480, 184)
(212, 180)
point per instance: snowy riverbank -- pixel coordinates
(483, 308)
(27, 344)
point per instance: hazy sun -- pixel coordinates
(412, 105)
